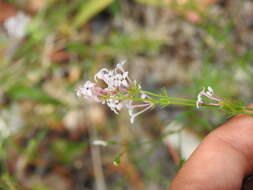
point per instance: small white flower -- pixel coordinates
(109, 78)
(105, 75)
(114, 105)
(209, 93)
(199, 99)
(120, 66)
(89, 90)
(86, 90)
(100, 74)
(115, 78)
(121, 80)
(10, 121)
(16, 26)
(99, 143)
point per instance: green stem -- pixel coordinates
(170, 98)
(247, 108)
(157, 101)
(247, 113)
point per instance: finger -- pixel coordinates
(222, 160)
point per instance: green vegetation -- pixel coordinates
(179, 46)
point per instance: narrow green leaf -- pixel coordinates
(20, 92)
(117, 159)
(90, 9)
(154, 2)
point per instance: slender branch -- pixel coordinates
(171, 98)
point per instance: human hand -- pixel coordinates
(222, 160)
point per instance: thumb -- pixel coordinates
(222, 160)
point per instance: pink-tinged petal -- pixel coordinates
(101, 74)
(125, 83)
(119, 106)
(125, 74)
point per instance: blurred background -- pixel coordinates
(49, 47)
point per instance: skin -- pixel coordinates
(222, 160)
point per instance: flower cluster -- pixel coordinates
(209, 93)
(117, 93)
(121, 92)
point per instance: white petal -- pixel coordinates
(120, 65)
(143, 96)
(100, 74)
(119, 106)
(132, 119)
(125, 83)
(125, 74)
(209, 92)
(99, 143)
(210, 89)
